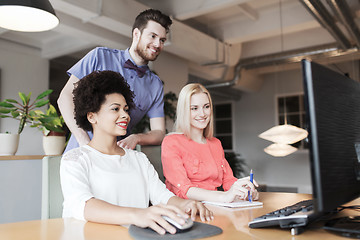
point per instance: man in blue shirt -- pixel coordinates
(148, 38)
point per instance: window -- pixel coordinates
(291, 108)
(223, 125)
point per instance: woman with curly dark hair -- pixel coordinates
(103, 182)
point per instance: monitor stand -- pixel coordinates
(345, 226)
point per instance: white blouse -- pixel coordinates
(127, 181)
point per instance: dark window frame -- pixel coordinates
(231, 118)
(299, 116)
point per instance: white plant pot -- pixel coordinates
(8, 144)
(53, 145)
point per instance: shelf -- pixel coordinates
(21, 157)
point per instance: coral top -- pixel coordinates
(187, 163)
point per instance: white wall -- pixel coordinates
(254, 114)
(22, 69)
(173, 71)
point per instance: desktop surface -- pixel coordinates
(234, 223)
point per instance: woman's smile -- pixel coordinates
(122, 124)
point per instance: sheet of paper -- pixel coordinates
(237, 204)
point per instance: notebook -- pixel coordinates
(236, 204)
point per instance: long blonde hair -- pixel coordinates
(182, 122)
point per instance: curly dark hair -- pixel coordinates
(154, 15)
(90, 93)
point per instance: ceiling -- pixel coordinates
(217, 37)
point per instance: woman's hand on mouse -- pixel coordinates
(152, 217)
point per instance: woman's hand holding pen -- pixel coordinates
(250, 186)
(240, 190)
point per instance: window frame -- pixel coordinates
(301, 112)
(232, 106)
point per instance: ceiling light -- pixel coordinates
(279, 149)
(284, 134)
(27, 15)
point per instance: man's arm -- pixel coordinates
(66, 106)
(153, 137)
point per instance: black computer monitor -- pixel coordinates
(332, 103)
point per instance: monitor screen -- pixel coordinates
(332, 103)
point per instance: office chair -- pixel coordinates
(52, 198)
(153, 153)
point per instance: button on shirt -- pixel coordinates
(148, 90)
(190, 164)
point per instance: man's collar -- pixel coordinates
(128, 56)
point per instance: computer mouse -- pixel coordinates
(180, 228)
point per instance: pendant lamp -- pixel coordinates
(284, 134)
(280, 150)
(27, 15)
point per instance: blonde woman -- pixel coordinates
(193, 159)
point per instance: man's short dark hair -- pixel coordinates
(90, 93)
(152, 14)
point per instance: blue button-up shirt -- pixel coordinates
(148, 90)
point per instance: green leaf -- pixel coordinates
(53, 128)
(51, 111)
(57, 122)
(38, 112)
(36, 125)
(46, 119)
(28, 97)
(15, 114)
(4, 116)
(7, 105)
(22, 124)
(44, 94)
(35, 114)
(5, 110)
(23, 98)
(41, 103)
(10, 100)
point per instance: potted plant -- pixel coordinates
(9, 143)
(22, 111)
(51, 124)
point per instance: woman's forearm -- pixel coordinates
(103, 212)
(205, 195)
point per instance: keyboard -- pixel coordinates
(293, 216)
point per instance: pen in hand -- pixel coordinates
(251, 180)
